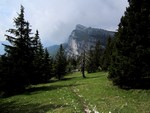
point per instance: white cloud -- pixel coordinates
(55, 19)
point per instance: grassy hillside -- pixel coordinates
(77, 95)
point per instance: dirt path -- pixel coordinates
(80, 98)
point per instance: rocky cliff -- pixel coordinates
(85, 37)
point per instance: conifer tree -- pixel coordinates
(18, 54)
(60, 63)
(90, 65)
(106, 58)
(47, 67)
(4, 73)
(98, 52)
(71, 64)
(94, 58)
(38, 61)
(83, 66)
(130, 64)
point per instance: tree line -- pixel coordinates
(130, 64)
(126, 57)
(25, 61)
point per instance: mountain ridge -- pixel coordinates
(83, 36)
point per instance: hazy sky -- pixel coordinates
(55, 19)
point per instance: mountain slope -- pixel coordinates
(83, 37)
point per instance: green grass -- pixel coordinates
(75, 95)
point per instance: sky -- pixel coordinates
(55, 19)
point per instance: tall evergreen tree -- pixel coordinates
(94, 58)
(4, 73)
(83, 66)
(38, 61)
(106, 58)
(98, 52)
(71, 64)
(60, 63)
(18, 54)
(130, 64)
(47, 67)
(90, 65)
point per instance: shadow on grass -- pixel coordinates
(14, 107)
(63, 79)
(34, 90)
(141, 84)
(91, 76)
(37, 89)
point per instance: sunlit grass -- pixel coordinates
(75, 95)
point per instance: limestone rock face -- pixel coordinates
(84, 37)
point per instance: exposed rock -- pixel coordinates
(83, 38)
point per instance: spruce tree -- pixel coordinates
(94, 58)
(98, 52)
(60, 63)
(47, 67)
(38, 61)
(90, 64)
(130, 64)
(18, 54)
(83, 66)
(4, 73)
(71, 64)
(106, 58)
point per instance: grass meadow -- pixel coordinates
(74, 94)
